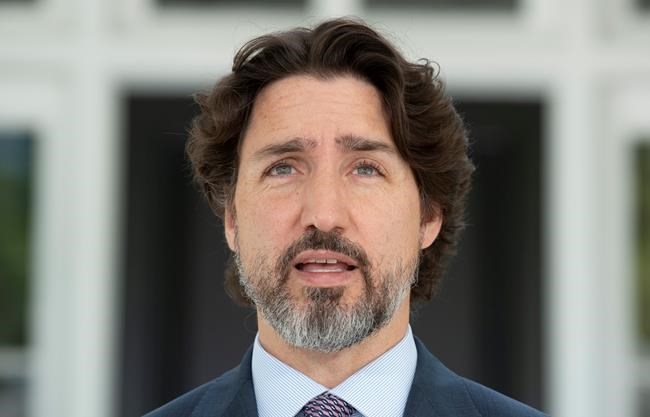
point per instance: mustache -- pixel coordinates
(315, 239)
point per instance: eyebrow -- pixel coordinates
(292, 145)
(347, 142)
(357, 143)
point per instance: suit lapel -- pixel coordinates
(244, 404)
(436, 391)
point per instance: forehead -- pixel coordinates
(317, 109)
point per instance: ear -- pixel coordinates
(230, 226)
(429, 231)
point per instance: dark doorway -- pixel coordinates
(486, 322)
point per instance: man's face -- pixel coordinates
(326, 221)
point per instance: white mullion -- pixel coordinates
(573, 289)
(619, 255)
(96, 276)
(95, 206)
(574, 385)
(53, 265)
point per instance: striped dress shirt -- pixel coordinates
(379, 389)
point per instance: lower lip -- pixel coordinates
(325, 279)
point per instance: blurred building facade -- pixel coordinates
(111, 264)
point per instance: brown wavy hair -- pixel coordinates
(426, 128)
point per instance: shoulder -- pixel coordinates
(492, 403)
(438, 390)
(231, 394)
(219, 390)
(183, 405)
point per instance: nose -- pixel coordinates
(324, 203)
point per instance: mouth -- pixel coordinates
(324, 262)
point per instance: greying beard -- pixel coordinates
(328, 326)
(324, 323)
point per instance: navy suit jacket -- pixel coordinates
(436, 392)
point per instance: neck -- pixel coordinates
(330, 369)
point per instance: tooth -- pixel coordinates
(320, 261)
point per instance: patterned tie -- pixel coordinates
(327, 405)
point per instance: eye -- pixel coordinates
(281, 169)
(367, 169)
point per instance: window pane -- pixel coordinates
(15, 187)
(643, 243)
(447, 4)
(16, 155)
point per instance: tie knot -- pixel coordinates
(327, 405)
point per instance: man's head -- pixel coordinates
(340, 171)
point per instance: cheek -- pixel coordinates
(392, 229)
(263, 227)
(403, 232)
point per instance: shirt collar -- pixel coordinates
(282, 391)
